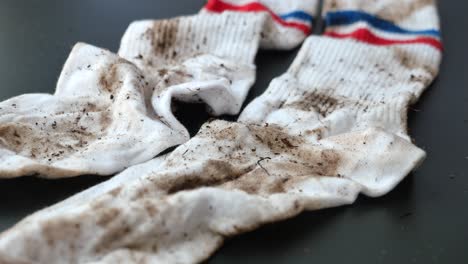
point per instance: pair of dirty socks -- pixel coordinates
(331, 127)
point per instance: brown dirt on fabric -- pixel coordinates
(69, 229)
(107, 216)
(163, 36)
(53, 137)
(111, 80)
(113, 234)
(290, 160)
(321, 102)
(171, 77)
(214, 173)
(403, 58)
(398, 12)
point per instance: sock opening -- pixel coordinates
(191, 115)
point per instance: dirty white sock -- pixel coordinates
(203, 58)
(353, 78)
(97, 122)
(229, 179)
(288, 24)
(384, 23)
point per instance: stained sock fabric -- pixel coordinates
(364, 73)
(97, 121)
(206, 58)
(229, 179)
(288, 24)
(109, 113)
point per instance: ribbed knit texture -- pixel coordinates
(232, 35)
(355, 84)
(203, 58)
(288, 23)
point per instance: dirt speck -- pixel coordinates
(321, 102)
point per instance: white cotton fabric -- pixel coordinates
(97, 122)
(205, 58)
(344, 85)
(288, 154)
(227, 180)
(109, 112)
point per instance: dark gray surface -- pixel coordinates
(424, 220)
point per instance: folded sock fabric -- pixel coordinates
(309, 142)
(288, 24)
(229, 179)
(97, 122)
(109, 113)
(204, 58)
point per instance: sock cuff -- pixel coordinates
(288, 23)
(384, 22)
(356, 68)
(231, 35)
(375, 83)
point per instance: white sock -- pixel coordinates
(288, 154)
(229, 179)
(364, 74)
(97, 121)
(288, 24)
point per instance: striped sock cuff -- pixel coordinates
(384, 23)
(293, 18)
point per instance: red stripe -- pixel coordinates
(219, 6)
(367, 36)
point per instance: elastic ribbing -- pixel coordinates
(230, 35)
(233, 36)
(352, 58)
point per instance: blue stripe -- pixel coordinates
(349, 17)
(300, 15)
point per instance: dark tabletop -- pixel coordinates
(424, 220)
